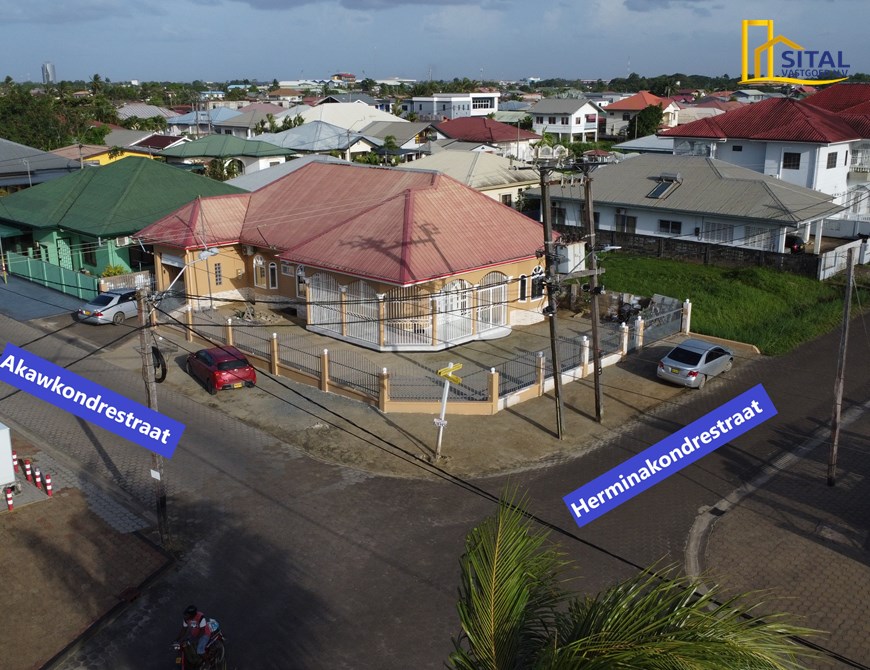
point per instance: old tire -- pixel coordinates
(729, 365)
(210, 387)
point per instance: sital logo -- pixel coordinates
(797, 65)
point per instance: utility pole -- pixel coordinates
(545, 167)
(593, 286)
(151, 395)
(841, 369)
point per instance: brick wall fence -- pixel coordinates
(703, 253)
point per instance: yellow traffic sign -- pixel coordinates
(447, 373)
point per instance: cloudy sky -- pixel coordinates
(219, 40)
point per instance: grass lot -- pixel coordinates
(776, 311)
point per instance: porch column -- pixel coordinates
(475, 302)
(382, 309)
(434, 304)
(343, 309)
(687, 317)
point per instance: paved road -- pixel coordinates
(313, 565)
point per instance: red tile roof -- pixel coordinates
(775, 119)
(638, 102)
(482, 129)
(840, 97)
(392, 225)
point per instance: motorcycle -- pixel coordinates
(214, 657)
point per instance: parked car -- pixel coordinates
(114, 306)
(693, 361)
(221, 368)
(794, 244)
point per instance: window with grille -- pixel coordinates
(524, 288)
(538, 282)
(832, 160)
(670, 227)
(791, 161)
(507, 199)
(218, 274)
(758, 237)
(259, 272)
(626, 223)
(718, 233)
(287, 268)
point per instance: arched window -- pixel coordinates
(537, 282)
(524, 288)
(273, 275)
(259, 272)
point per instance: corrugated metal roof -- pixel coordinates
(223, 146)
(14, 155)
(637, 102)
(314, 136)
(393, 225)
(260, 178)
(775, 119)
(709, 187)
(204, 222)
(143, 111)
(116, 199)
(840, 97)
(348, 115)
(558, 106)
(250, 115)
(482, 129)
(476, 169)
(402, 131)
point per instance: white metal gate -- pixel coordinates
(492, 301)
(325, 298)
(454, 311)
(361, 312)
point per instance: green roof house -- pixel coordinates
(84, 221)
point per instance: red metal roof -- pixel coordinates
(840, 97)
(482, 129)
(775, 119)
(205, 222)
(397, 226)
(638, 102)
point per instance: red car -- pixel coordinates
(221, 368)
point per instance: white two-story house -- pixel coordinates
(444, 106)
(791, 140)
(566, 119)
(693, 199)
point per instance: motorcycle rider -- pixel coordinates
(196, 628)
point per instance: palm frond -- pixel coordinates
(663, 621)
(509, 591)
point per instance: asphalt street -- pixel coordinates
(314, 565)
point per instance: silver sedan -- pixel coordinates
(693, 361)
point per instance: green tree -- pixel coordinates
(515, 613)
(646, 122)
(96, 84)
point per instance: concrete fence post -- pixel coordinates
(384, 390)
(541, 372)
(228, 332)
(324, 371)
(639, 328)
(273, 363)
(623, 338)
(687, 317)
(493, 390)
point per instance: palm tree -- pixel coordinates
(515, 613)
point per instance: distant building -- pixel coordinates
(48, 73)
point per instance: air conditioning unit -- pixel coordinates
(248, 250)
(125, 241)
